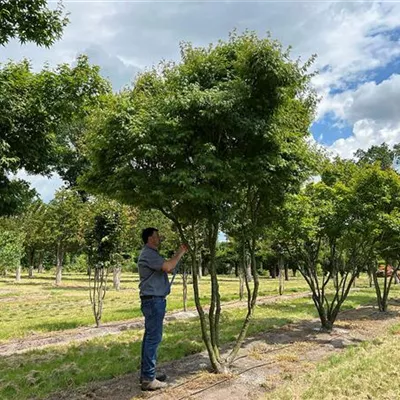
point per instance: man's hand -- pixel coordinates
(183, 248)
(170, 264)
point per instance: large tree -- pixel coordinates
(230, 121)
(35, 111)
(31, 21)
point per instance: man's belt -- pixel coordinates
(151, 297)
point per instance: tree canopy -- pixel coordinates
(36, 109)
(31, 21)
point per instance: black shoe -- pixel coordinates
(160, 377)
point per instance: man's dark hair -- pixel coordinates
(146, 233)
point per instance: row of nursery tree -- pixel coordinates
(217, 142)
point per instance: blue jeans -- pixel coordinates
(154, 312)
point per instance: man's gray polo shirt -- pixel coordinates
(153, 280)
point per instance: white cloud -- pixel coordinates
(374, 112)
(378, 102)
(366, 133)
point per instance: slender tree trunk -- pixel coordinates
(281, 276)
(116, 278)
(215, 305)
(40, 266)
(251, 303)
(248, 270)
(199, 267)
(97, 290)
(383, 299)
(31, 262)
(60, 258)
(215, 364)
(377, 288)
(184, 288)
(241, 286)
(242, 272)
(18, 273)
(205, 266)
(272, 271)
(286, 272)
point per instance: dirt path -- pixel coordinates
(264, 362)
(86, 333)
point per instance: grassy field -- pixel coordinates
(37, 305)
(38, 373)
(367, 371)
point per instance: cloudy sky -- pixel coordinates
(356, 43)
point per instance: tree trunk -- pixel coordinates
(98, 291)
(199, 267)
(116, 278)
(281, 276)
(60, 258)
(286, 272)
(214, 312)
(18, 273)
(251, 303)
(184, 293)
(203, 323)
(204, 266)
(272, 272)
(31, 262)
(242, 272)
(248, 270)
(40, 266)
(241, 286)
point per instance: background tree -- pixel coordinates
(37, 235)
(11, 246)
(381, 154)
(102, 246)
(65, 224)
(378, 207)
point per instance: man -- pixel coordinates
(154, 287)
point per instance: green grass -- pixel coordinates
(367, 371)
(37, 306)
(39, 373)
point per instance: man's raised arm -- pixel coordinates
(170, 264)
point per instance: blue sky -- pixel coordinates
(357, 48)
